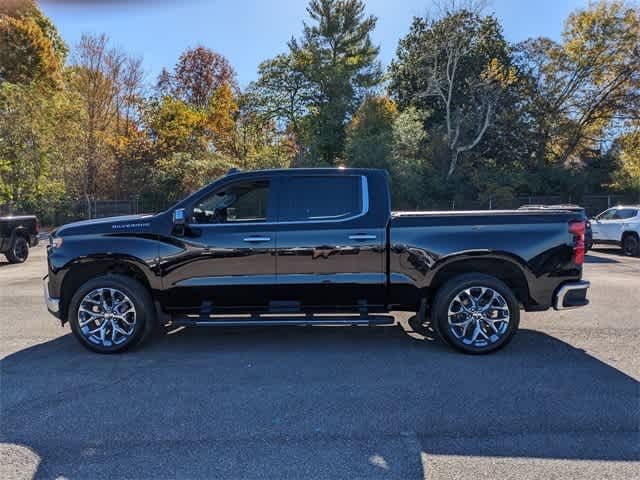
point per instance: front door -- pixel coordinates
(228, 257)
(330, 253)
(604, 225)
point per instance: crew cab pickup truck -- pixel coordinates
(312, 247)
(17, 234)
(619, 226)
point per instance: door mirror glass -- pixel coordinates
(179, 216)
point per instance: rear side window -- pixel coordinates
(322, 198)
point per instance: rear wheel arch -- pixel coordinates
(81, 272)
(504, 270)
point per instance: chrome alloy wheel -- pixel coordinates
(106, 317)
(478, 316)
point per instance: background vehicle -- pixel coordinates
(619, 226)
(17, 234)
(588, 234)
(290, 246)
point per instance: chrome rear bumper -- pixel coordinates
(53, 304)
(571, 295)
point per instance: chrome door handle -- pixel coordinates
(256, 239)
(362, 237)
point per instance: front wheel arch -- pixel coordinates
(80, 272)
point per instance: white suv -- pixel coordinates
(619, 226)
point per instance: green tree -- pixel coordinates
(337, 57)
(282, 94)
(370, 134)
(36, 128)
(410, 166)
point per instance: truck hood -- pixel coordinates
(123, 224)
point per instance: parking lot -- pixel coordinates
(563, 400)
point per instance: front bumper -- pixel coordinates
(53, 304)
(571, 295)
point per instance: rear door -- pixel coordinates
(330, 252)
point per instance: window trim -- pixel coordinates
(364, 185)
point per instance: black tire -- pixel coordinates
(631, 245)
(19, 251)
(142, 302)
(450, 290)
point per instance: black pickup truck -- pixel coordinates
(312, 247)
(17, 234)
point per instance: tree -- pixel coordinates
(583, 89)
(30, 46)
(370, 134)
(626, 175)
(199, 73)
(282, 94)
(37, 129)
(108, 84)
(337, 57)
(410, 166)
(457, 66)
(221, 123)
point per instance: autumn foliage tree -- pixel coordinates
(30, 47)
(197, 76)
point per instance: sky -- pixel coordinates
(250, 31)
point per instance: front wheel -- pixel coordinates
(476, 313)
(111, 313)
(631, 245)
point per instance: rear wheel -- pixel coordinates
(631, 245)
(476, 313)
(19, 251)
(111, 313)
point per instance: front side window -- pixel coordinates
(238, 202)
(625, 213)
(607, 215)
(322, 198)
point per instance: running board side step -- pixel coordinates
(258, 320)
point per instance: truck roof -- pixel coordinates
(298, 171)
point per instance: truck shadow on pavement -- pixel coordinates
(309, 402)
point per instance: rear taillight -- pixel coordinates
(37, 225)
(577, 228)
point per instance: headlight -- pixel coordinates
(55, 242)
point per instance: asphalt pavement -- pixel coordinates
(561, 401)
